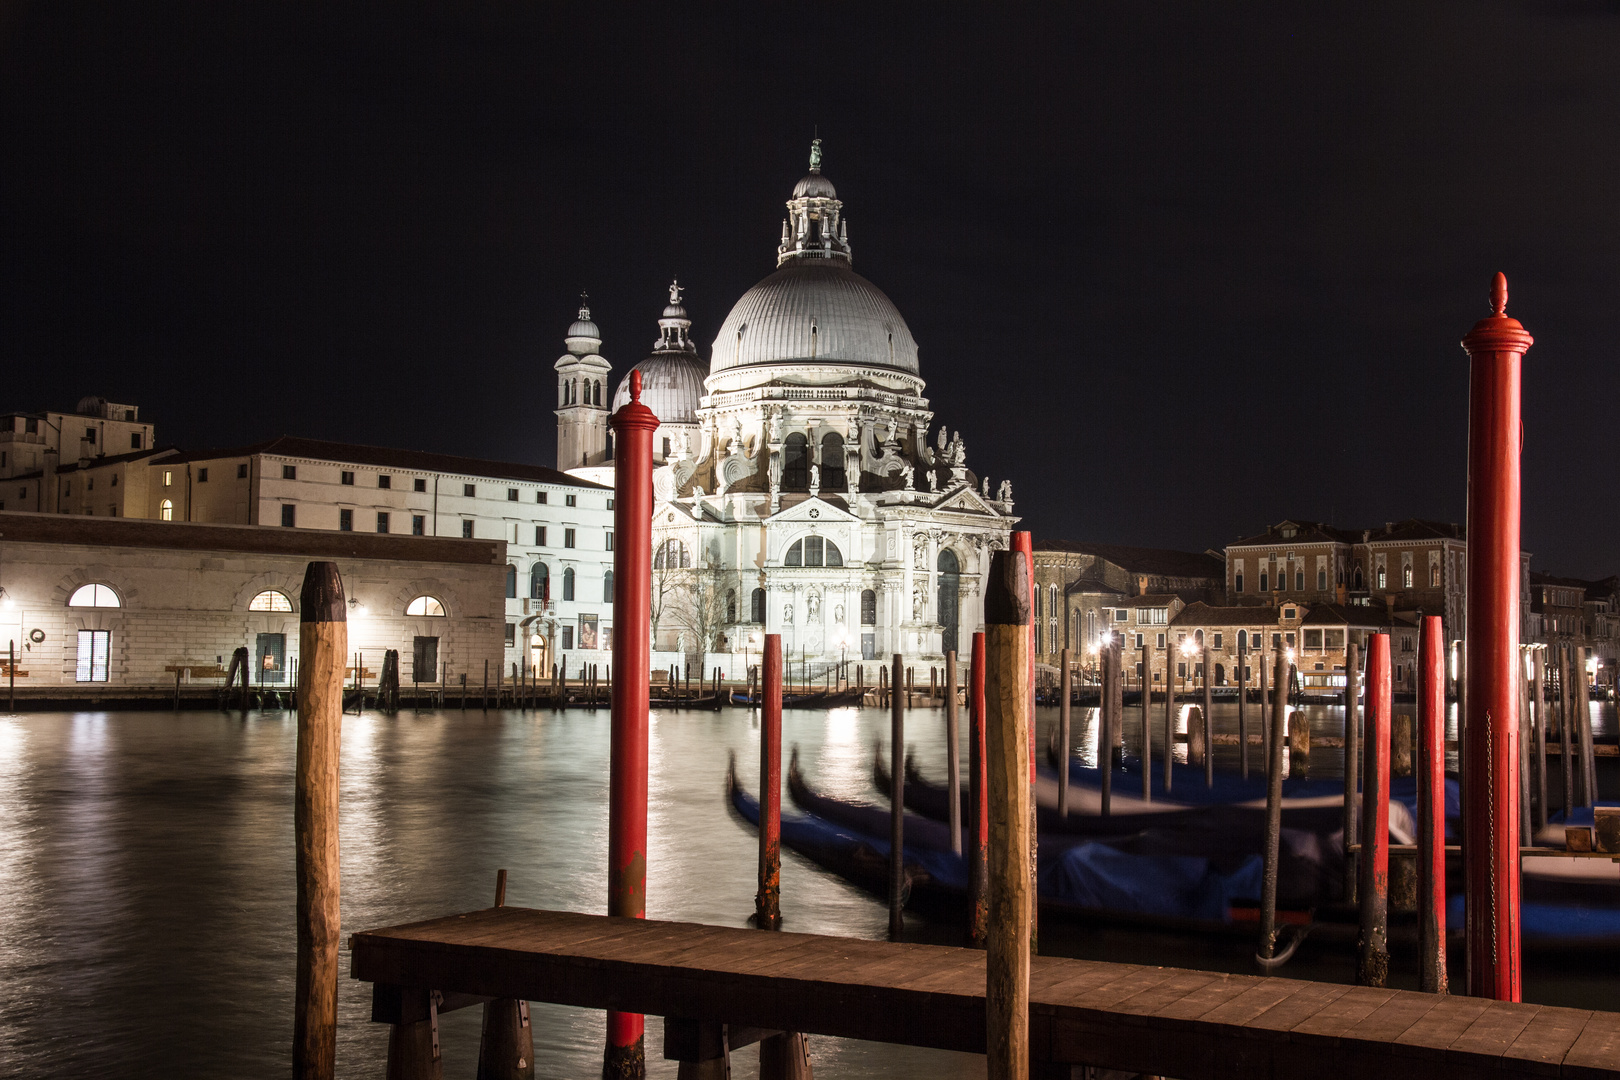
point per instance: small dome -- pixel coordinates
(814, 186)
(584, 328)
(671, 386)
(584, 337)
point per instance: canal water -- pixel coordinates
(147, 891)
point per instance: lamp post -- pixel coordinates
(1188, 650)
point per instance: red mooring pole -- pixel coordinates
(768, 901)
(1372, 965)
(978, 782)
(633, 428)
(1496, 348)
(1431, 807)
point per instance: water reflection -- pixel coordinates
(146, 870)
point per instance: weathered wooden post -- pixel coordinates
(1243, 711)
(1116, 698)
(953, 750)
(1352, 759)
(1265, 726)
(1372, 965)
(1024, 541)
(1496, 347)
(1147, 725)
(1538, 690)
(1431, 809)
(633, 425)
(1526, 736)
(1400, 745)
(1007, 966)
(1064, 734)
(11, 677)
(768, 900)
(979, 802)
(1566, 759)
(1169, 716)
(1583, 724)
(506, 1045)
(1209, 724)
(897, 799)
(323, 642)
(1273, 839)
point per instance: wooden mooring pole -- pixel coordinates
(1352, 758)
(1064, 735)
(1496, 347)
(322, 646)
(768, 900)
(1538, 692)
(1007, 965)
(897, 797)
(1273, 838)
(633, 425)
(1372, 960)
(1208, 724)
(1147, 723)
(953, 755)
(1243, 711)
(1431, 805)
(506, 1045)
(978, 802)
(1169, 717)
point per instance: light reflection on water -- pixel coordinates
(146, 871)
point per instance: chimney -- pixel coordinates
(50, 494)
(1389, 526)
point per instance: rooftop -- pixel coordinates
(388, 458)
(1141, 560)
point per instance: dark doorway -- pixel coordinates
(425, 660)
(950, 585)
(271, 654)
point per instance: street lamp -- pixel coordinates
(1188, 649)
(843, 644)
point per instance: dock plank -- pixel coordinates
(1195, 1025)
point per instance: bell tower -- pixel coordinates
(583, 396)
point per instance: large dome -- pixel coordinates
(814, 310)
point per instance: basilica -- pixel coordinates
(800, 486)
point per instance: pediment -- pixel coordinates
(965, 500)
(818, 510)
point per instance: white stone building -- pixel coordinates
(801, 487)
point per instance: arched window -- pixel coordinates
(1037, 601)
(568, 583)
(671, 555)
(607, 587)
(1198, 638)
(1382, 577)
(1243, 639)
(1052, 597)
(166, 510)
(1359, 579)
(731, 605)
(869, 607)
(813, 551)
(270, 600)
(832, 462)
(427, 606)
(539, 582)
(511, 582)
(796, 463)
(757, 611)
(94, 596)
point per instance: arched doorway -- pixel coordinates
(950, 584)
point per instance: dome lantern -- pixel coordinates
(814, 227)
(584, 337)
(672, 377)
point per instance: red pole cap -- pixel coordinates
(634, 415)
(1499, 332)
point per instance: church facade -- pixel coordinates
(800, 484)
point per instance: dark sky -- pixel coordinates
(1177, 270)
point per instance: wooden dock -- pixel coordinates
(1161, 1021)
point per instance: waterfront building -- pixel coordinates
(122, 607)
(1080, 588)
(801, 486)
(557, 528)
(97, 428)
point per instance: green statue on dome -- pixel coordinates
(815, 155)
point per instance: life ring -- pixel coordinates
(36, 635)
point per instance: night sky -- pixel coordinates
(1177, 270)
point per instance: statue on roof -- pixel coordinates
(815, 155)
(675, 291)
